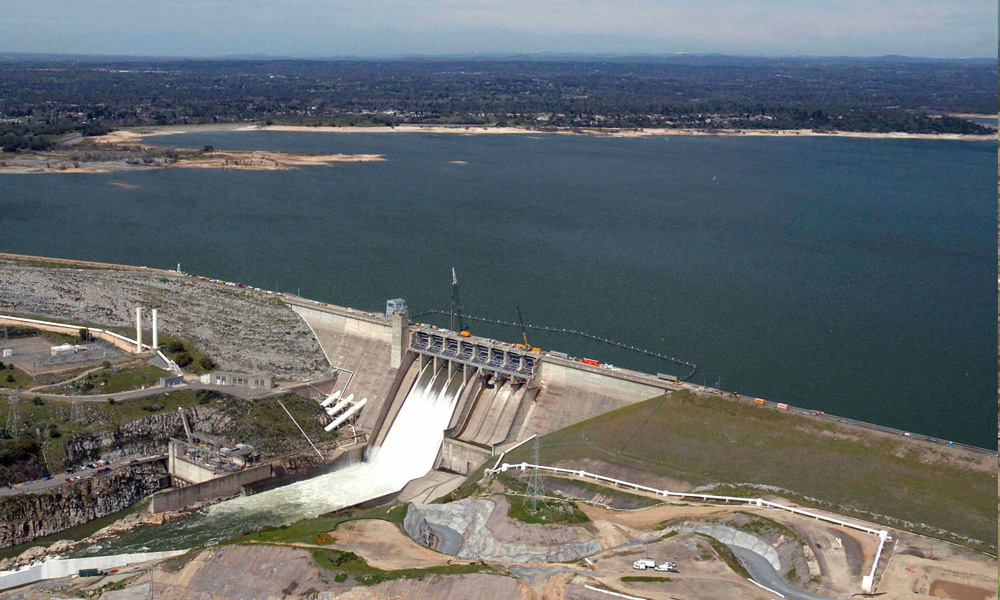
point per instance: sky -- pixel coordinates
(380, 28)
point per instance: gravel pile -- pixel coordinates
(241, 329)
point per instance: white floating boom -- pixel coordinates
(347, 415)
(340, 405)
(330, 399)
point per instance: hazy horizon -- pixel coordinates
(377, 29)
(487, 56)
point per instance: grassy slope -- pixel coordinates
(704, 439)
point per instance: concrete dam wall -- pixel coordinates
(364, 347)
(573, 392)
(510, 392)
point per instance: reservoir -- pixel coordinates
(853, 276)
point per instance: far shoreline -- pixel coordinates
(133, 135)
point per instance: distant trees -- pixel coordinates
(39, 103)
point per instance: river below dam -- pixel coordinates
(853, 276)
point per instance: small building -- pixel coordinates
(171, 381)
(396, 306)
(242, 455)
(63, 349)
(250, 380)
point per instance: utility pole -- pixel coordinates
(13, 419)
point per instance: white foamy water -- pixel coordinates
(408, 452)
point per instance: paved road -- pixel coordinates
(60, 478)
(764, 574)
(243, 392)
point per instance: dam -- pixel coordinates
(508, 392)
(435, 401)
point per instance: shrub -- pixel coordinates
(183, 359)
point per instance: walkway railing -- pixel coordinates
(882, 534)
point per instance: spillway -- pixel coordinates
(408, 452)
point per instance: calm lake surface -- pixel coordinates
(847, 275)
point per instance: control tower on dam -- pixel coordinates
(509, 392)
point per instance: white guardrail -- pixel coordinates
(882, 534)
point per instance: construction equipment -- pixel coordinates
(457, 322)
(524, 332)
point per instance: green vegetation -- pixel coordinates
(470, 487)
(116, 379)
(21, 460)
(765, 527)
(727, 556)
(792, 575)
(710, 440)
(587, 490)
(187, 356)
(348, 563)
(545, 511)
(315, 531)
(645, 579)
(14, 378)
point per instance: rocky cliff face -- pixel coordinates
(261, 423)
(145, 436)
(25, 517)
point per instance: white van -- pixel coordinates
(644, 563)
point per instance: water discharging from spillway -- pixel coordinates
(408, 452)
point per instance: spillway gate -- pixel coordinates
(514, 363)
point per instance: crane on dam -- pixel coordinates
(457, 322)
(524, 332)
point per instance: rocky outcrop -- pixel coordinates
(25, 517)
(145, 436)
(479, 528)
(260, 423)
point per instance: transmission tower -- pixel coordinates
(457, 322)
(13, 418)
(534, 481)
(76, 412)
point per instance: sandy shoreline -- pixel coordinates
(618, 133)
(262, 160)
(137, 134)
(250, 160)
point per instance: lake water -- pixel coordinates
(853, 276)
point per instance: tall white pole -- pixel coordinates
(156, 336)
(138, 329)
